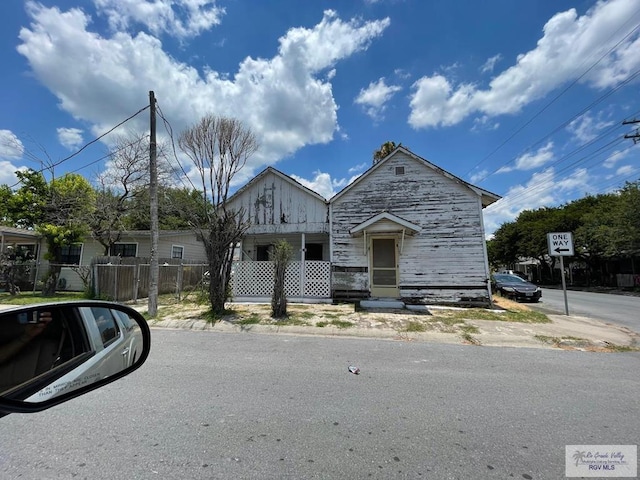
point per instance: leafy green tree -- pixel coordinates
(629, 220)
(176, 209)
(27, 206)
(71, 202)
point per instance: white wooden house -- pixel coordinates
(280, 208)
(407, 229)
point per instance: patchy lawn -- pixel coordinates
(345, 316)
(28, 298)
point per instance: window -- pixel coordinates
(263, 252)
(124, 250)
(27, 251)
(70, 254)
(313, 252)
(107, 325)
(177, 251)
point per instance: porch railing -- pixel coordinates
(310, 279)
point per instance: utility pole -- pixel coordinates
(154, 268)
(634, 136)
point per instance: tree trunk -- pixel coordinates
(51, 282)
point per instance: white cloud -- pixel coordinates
(484, 123)
(478, 176)
(531, 160)
(11, 148)
(179, 18)
(375, 96)
(586, 127)
(615, 157)
(490, 64)
(543, 189)
(70, 138)
(359, 168)
(569, 45)
(10, 145)
(323, 184)
(626, 170)
(285, 100)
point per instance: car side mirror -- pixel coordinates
(51, 353)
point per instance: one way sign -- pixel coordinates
(560, 244)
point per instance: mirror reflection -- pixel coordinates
(50, 350)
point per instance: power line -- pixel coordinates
(87, 144)
(169, 129)
(529, 121)
(564, 124)
(111, 153)
(531, 191)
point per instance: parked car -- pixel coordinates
(515, 272)
(515, 287)
(50, 353)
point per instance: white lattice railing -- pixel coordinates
(302, 279)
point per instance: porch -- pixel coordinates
(308, 281)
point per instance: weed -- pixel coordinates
(290, 321)
(468, 338)
(415, 327)
(519, 316)
(546, 339)
(469, 329)
(253, 319)
(341, 324)
(621, 348)
(322, 324)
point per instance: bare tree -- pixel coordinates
(219, 148)
(126, 176)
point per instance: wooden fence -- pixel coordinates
(126, 279)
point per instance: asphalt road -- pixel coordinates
(618, 309)
(244, 406)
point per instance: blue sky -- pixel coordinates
(525, 99)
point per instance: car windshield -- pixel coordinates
(509, 278)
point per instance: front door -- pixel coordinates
(384, 268)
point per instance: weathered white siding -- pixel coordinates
(444, 262)
(275, 205)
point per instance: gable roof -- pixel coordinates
(487, 197)
(278, 174)
(390, 218)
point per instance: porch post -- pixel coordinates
(303, 259)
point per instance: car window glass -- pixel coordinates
(107, 325)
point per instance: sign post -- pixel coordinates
(561, 245)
